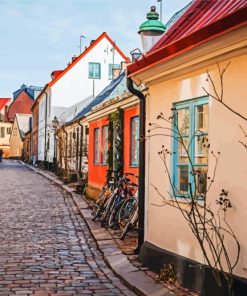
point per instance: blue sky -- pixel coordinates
(39, 36)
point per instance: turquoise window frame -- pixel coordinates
(105, 140)
(92, 70)
(96, 148)
(110, 67)
(191, 105)
(133, 120)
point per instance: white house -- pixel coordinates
(87, 74)
(84, 77)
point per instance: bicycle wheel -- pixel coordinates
(106, 209)
(132, 221)
(113, 218)
(125, 212)
(99, 205)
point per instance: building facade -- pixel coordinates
(21, 125)
(84, 78)
(196, 76)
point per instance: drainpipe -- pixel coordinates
(141, 192)
(81, 144)
(46, 103)
(66, 152)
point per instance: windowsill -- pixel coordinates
(186, 200)
(104, 164)
(133, 166)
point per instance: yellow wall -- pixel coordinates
(165, 226)
(4, 142)
(16, 143)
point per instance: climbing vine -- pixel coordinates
(115, 157)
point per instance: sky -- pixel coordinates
(39, 36)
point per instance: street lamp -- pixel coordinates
(55, 124)
(151, 30)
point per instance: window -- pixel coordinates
(2, 132)
(134, 141)
(112, 66)
(96, 145)
(94, 70)
(191, 124)
(105, 144)
(8, 130)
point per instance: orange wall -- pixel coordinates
(128, 114)
(97, 172)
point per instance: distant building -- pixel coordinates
(22, 125)
(4, 103)
(5, 132)
(22, 102)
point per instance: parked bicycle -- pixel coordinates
(117, 205)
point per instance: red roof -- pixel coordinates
(3, 102)
(203, 20)
(86, 51)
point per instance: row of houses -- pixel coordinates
(15, 120)
(175, 116)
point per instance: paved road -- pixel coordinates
(45, 245)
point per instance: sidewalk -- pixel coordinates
(117, 254)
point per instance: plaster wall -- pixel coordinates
(165, 226)
(75, 84)
(16, 143)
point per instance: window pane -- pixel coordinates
(183, 179)
(201, 180)
(201, 149)
(135, 141)
(202, 118)
(182, 154)
(105, 145)
(94, 70)
(96, 145)
(183, 121)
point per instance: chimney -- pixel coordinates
(124, 65)
(115, 73)
(74, 58)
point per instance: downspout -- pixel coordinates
(81, 144)
(45, 151)
(141, 192)
(66, 153)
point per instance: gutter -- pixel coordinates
(141, 192)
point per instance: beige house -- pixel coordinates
(5, 132)
(198, 71)
(21, 126)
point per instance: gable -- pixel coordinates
(22, 104)
(76, 60)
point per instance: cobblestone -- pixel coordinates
(46, 247)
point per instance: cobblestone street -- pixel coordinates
(46, 247)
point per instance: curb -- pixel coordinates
(132, 277)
